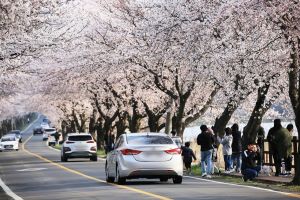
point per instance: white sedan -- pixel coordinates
(9, 142)
(144, 155)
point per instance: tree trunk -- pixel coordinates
(121, 124)
(294, 94)
(168, 123)
(296, 179)
(100, 135)
(135, 123)
(251, 129)
(222, 121)
(177, 121)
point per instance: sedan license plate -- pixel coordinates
(8, 146)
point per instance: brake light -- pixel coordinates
(69, 142)
(173, 151)
(93, 149)
(130, 152)
(90, 141)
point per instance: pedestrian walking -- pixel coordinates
(227, 149)
(56, 136)
(206, 140)
(188, 156)
(250, 158)
(280, 141)
(236, 148)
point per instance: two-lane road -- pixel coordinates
(36, 172)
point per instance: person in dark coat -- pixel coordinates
(56, 136)
(280, 142)
(188, 156)
(289, 158)
(206, 140)
(250, 158)
(236, 147)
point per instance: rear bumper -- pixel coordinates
(80, 154)
(9, 147)
(130, 168)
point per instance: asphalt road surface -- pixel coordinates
(35, 172)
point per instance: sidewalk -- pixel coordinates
(265, 178)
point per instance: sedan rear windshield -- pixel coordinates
(7, 139)
(148, 139)
(50, 129)
(80, 138)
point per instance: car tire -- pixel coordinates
(64, 158)
(163, 179)
(108, 178)
(94, 158)
(119, 180)
(177, 180)
(0, 150)
(17, 149)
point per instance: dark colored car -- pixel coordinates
(37, 131)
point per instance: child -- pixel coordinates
(188, 156)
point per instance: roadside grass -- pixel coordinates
(100, 152)
(196, 171)
(57, 146)
(273, 186)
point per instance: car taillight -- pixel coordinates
(173, 151)
(93, 149)
(69, 142)
(90, 141)
(130, 152)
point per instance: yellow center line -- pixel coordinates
(93, 178)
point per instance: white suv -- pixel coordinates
(47, 132)
(79, 145)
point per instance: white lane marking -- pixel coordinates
(8, 191)
(245, 186)
(31, 169)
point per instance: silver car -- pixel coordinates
(144, 155)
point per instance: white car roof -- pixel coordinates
(77, 134)
(9, 136)
(147, 133)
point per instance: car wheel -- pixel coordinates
(108, 178)
(0, 150)
(177, 180)
(119, 180)
(93, 158)
(17, 149)
(163, 179)
(64, 158)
